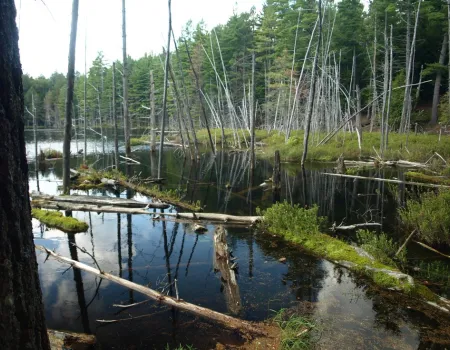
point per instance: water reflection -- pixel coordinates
(350, 313)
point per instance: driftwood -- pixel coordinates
(68, 340)
(75, 174)
(212, 217)
(217, 217)
(377, 162)
(222, 263)
(355, 226)
(96, 200)
(130, 159)
(96, 208)
(388, 180)
(227, 321)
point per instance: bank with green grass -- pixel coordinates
(372, 259)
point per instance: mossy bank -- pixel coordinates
(303, 226)
(57, 220)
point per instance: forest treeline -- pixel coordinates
(363, 54)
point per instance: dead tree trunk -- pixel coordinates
(312, 90)
(197, 84)
(126, 117)
(69, 99)
(437, 82)
(166, 82)
(21, 309)
(116, 141)
(152, 114)
(223, 263)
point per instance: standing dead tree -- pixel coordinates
(166, 82)
(126, 117)
(312, 90)
(69, 98)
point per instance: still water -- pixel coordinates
(349, 312)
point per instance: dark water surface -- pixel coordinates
(350, 314)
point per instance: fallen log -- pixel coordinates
(130, 159)
(96, 208)
(110, 182)
(212, 217)
(388, 180)
(225, 320)
(96, 200)
(221, 263)
(354, 226)
(217, 217)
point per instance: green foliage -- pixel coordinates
(295, 330)
(380, 246)
(429, 216)
(57, 220)
(435, 271)
(180, 347)
(49, 154)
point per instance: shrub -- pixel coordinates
(380, 246)
(430, 216)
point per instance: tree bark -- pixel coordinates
(21, 309)
(437, 82)
(69, 98)
(152, 114)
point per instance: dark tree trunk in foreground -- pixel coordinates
(22, 324)
(437, 82)
(69, 99)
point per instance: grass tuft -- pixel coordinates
(295, 330)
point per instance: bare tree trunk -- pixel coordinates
(85, 103)
(116, 141)
(389, 98)
(126, 117)
(186, 99)
(437, 82)
(448, 39)
(253, 116)
(21, 310)
(166, 81)
(312, 90)
(374, 80)
(152, 114)
(69, 99)
(197, 83)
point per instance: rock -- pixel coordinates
(199, 228)
(282, 260)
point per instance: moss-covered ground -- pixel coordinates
(57, 220)
(303, 227)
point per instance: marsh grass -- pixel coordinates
(429, 215)
(418, 147)
(295, 330)
(57, 220)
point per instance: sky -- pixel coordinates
(44, 28)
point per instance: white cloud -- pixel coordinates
(45, 29)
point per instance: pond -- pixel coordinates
(349, 312)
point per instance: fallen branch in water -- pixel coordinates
(354, 226)
(387, 180)
(225, 320)
(130, 159)
(432, 249)
(405, 243)
(217, 217)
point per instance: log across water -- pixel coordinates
(225, 320)
(97, 200)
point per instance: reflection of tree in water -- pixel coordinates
(79, 285)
